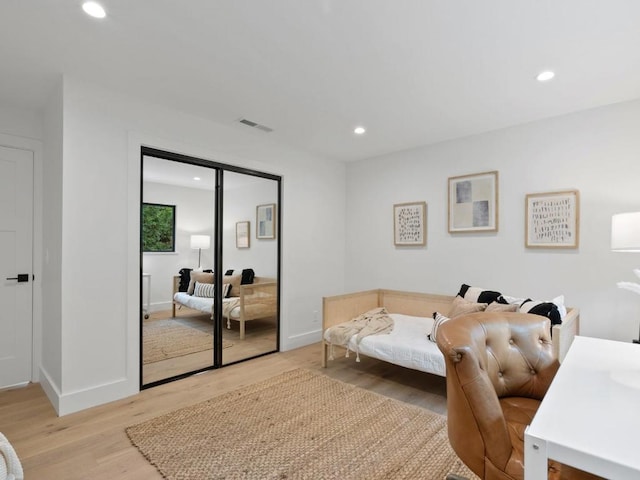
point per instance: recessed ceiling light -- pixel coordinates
(545, 76)
(94, 9)
(359, 130)
(196, 178)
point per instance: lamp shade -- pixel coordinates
(625, 232)
(200, 241)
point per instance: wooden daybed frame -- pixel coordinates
(341, 308)
(255, 300)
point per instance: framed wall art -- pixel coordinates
(410, 224)
(552, 219)
(242, 234)
(266, 221)
(473, 203)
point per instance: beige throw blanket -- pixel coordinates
(230, 305)
(373, 322)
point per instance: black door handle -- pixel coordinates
(22, 277)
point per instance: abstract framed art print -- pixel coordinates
(473, 203)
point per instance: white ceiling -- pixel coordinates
(159, 170)
(413, 72)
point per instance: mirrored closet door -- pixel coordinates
(177, 218)
(250, 259)
(210, 249)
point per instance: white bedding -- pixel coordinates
(407, 345)
(204, 304)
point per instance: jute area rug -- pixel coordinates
(299, 425)
(164, 339)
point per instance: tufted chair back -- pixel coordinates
(499, 367)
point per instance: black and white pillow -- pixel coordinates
(478, 294)
(508, 300)
(206, 290)
(439, 320)
(546, 309)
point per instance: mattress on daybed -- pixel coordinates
(204, 304)
(407, 345)
(256, 307)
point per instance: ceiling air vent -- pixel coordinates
(251, 124)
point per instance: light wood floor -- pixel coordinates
(260, 337)
(92, 444)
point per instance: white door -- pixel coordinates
(16, 279)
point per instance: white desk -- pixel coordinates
(590, 417)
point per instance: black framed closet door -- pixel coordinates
(210, 248)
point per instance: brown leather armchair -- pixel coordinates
(499, 367)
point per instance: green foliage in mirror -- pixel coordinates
(158, 227)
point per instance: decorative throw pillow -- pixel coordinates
(247, 276)
(546, 309)
(558, 301)
(460, 306)
(234, 285)
(185, 277)
(439, 320)
(206, 290)
(501, 307)
(506, 299)
(478, 294)
(202, 277)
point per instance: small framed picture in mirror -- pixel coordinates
(266, 221)
(242, 234)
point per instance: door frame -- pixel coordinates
(36, 147)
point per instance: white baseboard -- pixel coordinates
(160, 306)
(50, 389)
(66, 403)
(301, 340)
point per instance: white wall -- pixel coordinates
(596, 152)
(102, 134)
(21, 122)
(240, 205)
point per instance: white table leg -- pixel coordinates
(535, 457)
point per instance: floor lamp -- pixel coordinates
(199, 242)
(625, 237)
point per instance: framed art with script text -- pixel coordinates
(410, 224)
(553, 219)
(242, 234)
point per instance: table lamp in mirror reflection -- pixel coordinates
(200, 242)
(625, 237)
